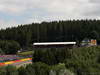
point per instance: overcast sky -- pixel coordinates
(14, 12)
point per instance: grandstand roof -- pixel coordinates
(55, 43)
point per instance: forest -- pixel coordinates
(59, 31)
(53, 61)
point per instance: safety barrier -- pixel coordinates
(11, 62)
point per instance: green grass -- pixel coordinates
(26, 53)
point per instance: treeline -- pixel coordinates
(71, 30)
(81, 61)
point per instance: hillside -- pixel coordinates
(71, 30)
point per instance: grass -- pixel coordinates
(26, 53)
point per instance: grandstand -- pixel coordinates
(54, 44)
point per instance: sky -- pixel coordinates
(17, 12)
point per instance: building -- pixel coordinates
(54, 44)
(89, 42)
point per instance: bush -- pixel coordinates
(2, 71)
(35, 69)
(22, 71)
(8, 70)
(60, 69)
(11, 70)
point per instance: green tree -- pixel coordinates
(9, 47)
(1, 52)
(94, 35)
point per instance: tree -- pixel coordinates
(9, 47)
(70, 30)
(1, 52)
(51, 56)
(13, 47)
(94, 35)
